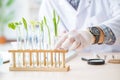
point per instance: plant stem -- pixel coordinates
(55, 22)
(45, 21)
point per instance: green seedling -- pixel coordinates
(25, 24)
(33, 23)
(56, 20)
(14, 25)
(41, 25)
(49, 37)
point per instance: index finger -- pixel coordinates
(61, 41)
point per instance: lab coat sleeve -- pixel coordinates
(46, 9)
(114, 22)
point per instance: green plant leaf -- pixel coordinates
(58, 20)
(25, 23)
(16, 23)
(1, 3)
(33, 23)
(9, 3)
(41, 25)
(49, 37)
(45, 20)
(55, 23)
(12, 26)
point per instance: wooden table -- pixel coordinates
(80, 70)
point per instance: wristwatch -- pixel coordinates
(96, 33)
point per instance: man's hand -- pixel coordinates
(75, 40)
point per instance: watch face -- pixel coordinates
(95, 31)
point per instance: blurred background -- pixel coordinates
(12, 10)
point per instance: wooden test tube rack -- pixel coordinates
(40, 64)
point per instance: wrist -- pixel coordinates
(101, 37)
(98, 34)
(88, 36)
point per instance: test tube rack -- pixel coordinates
(39, 64)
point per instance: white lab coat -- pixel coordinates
(89, 13)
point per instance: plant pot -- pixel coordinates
(2, 40)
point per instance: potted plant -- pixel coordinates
(6, 14)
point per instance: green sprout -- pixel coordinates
(14, 25)
(56, 20)
(41, 25)
(45, 21)
(25, 24)
(33, 23)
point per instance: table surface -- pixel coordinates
(79, 70)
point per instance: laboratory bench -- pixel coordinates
(79, 70)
